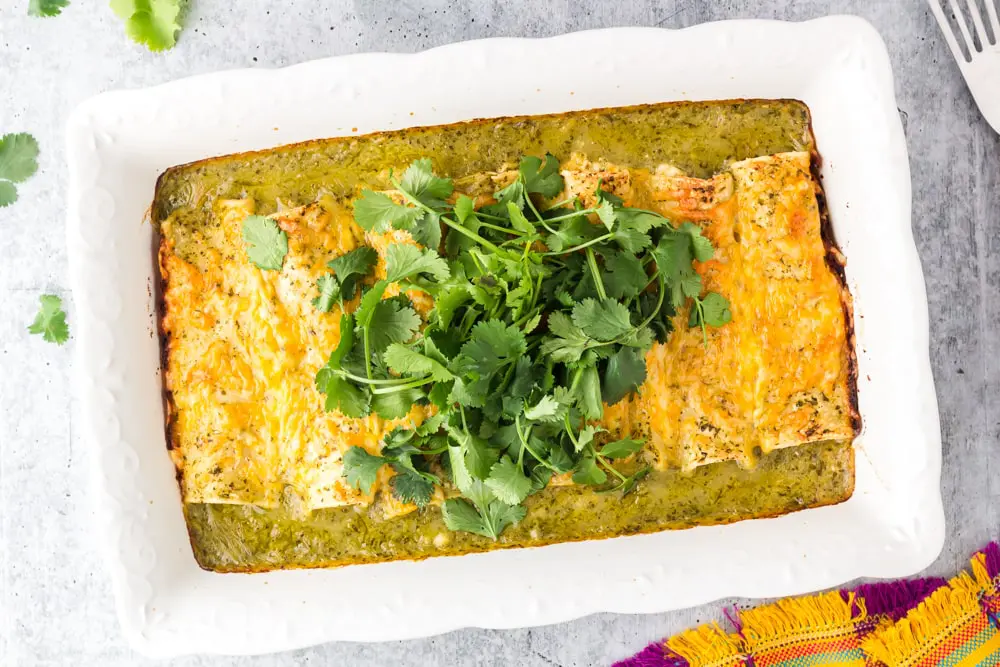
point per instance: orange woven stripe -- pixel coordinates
(805, 646)
(957, 637)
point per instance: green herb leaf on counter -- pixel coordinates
(50, 322)
(152, 23)
(18, 163)
(267, 244)
(46, 7)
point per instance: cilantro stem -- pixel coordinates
(450, 223)
(610, 468)
(506, 230)
(474, 236)
(368, 354)
(357, 378)
(566, 216)
(524, 443)
(659, 302)
(561, 203)
(498, 218)
(395, 389)
(582, 246)
(569, 430)
(465, 424)
(531, 205)
(595, 272)
(699, 304)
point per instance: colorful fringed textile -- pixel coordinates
(913, 623)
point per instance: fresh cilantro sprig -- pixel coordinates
(46, 7)
(152, 23)
(18, 163)
(543, 313)
(50, 322)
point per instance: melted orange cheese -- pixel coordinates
(245, 344)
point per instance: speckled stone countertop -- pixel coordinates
(55, 601)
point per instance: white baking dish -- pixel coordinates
(119, 142)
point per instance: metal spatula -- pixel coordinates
(981, 67)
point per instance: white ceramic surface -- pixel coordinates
(119, 142)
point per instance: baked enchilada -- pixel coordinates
(503, 333)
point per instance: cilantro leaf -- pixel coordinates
(426, 230)
(405, 361)
(488, 517)
(508, 482)
(546, 409)
(403, 261)
(50, 322)
(461, 515)
(638, 220)
(606, 214)
(588, 472)
(701, 246)
(479, 456)
(351, 267)
(465, 208)
(586, 436)
(409, 486)
(377, 212)
(543, 179)
(267, 244)
(420, 182)
(619, 449)
(624, 276)
(448, 301)
(391, 322)
(491, 346)
(396, 404)
(8, 193)
(512, 194)
(369, 302)
(716, 310)
(517, 219)
(46, 7)
(626, 370)
(361, 468)
(18, 162)
(568, 342)
(329, 291)
(631, 240)
(602, 320)
(340, 394)
(153, 23)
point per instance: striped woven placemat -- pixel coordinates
(908, 623)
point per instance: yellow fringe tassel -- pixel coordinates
(784, 622)
(935, 618)
(707, 646)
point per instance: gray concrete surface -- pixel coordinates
(55, 601)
